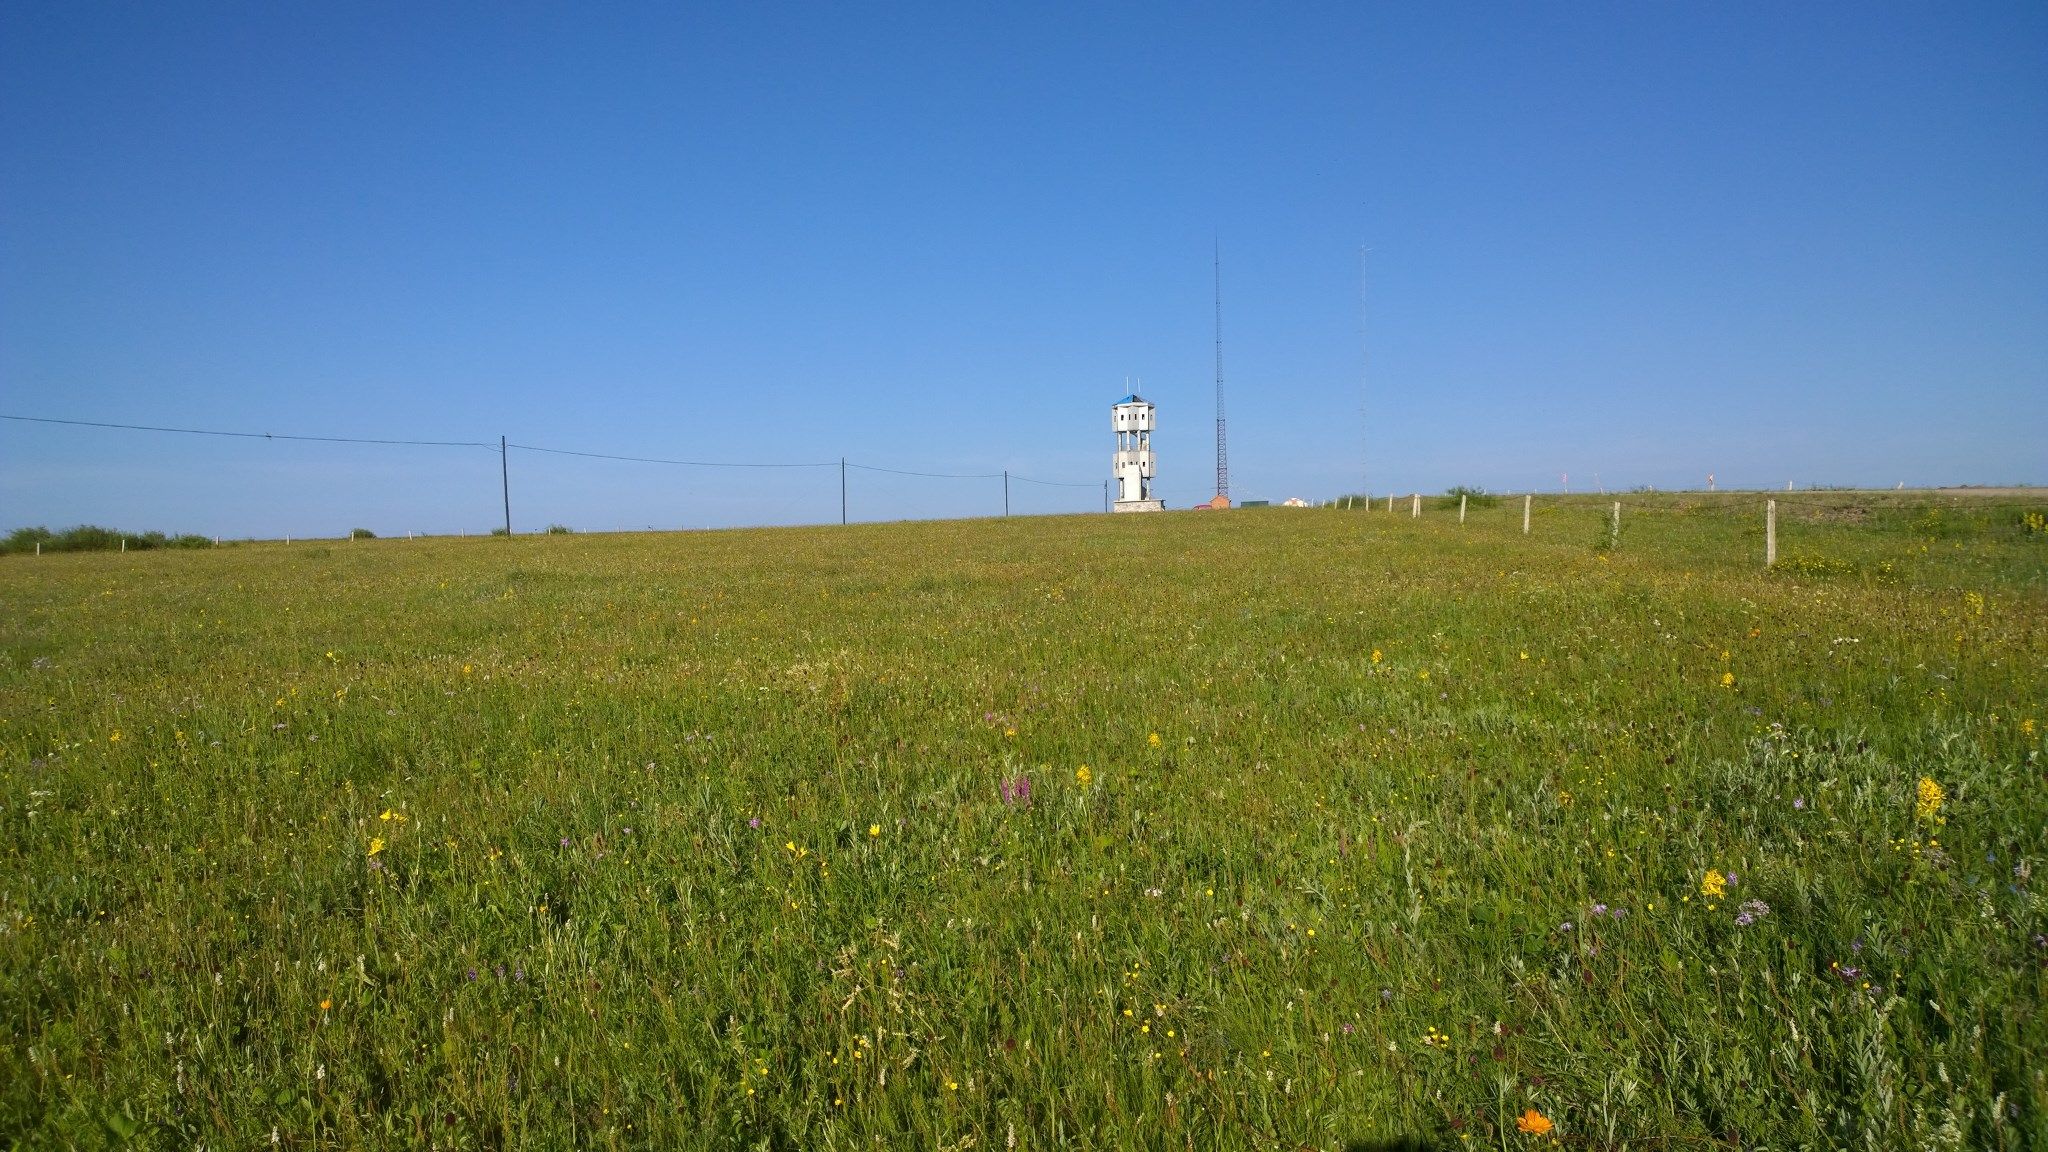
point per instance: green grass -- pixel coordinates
(454, 843)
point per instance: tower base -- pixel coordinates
(1138, 506)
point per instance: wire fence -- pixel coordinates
(504, 449)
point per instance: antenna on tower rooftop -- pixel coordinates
(1222, 445)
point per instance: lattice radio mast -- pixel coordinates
(1222, 445)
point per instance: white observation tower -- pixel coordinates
(1131, 417)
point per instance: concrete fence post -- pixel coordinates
(1770, 533)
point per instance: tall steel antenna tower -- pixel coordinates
(1222, 446)
(1364, 394)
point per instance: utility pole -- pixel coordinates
(1006, 493)
(1105, 495)
(505, 481)
(842, 491)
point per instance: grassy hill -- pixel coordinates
(1262, 829)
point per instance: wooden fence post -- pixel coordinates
(1461, 507)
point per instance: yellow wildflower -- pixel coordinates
(1727, 679)
(326, 1004)
(1534, 1123)
(1082, 775)
(115, 738)
(1713, 884)
(376, 845)
(2027, 726)
(1375, 655)
(874, 829)
(1153, 739)
(1927, 798)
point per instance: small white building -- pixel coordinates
(1132, 419)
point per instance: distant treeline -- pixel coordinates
(92, 538)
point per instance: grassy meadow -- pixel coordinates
(1263, 829)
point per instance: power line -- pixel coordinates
(930, 475)
(657, 460)
(503, 446)
(252, 435)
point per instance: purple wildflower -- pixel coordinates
(565, 841)
(519, 974)
(754, 823)
(1017, 792)
(472, 975)
(1599, 909)
(1565, 927)
(1348, 1029)
(1799, 804)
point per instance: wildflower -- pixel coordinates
(1799, 804)
(1927, 798)
(115, 737)
(1752, 911)
(1713, 884)
(1153, 739)
(1375, 655)
(1017, 791)
(376, 845)
(874, 830)
(1727, 679)
(1424, 674)
(326, 1004)
(754, 823)
(1082, 775)
(1534, 1123)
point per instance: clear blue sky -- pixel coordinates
(1775, 242)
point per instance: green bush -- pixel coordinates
(1474, 497)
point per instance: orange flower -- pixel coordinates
(1534, 1123)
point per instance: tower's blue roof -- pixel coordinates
(1133, 398)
